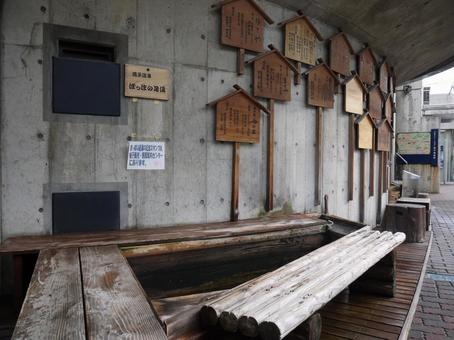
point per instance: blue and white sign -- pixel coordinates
(146, 156)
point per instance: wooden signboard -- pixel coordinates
(389, 108)
(384, 76)
(375, 103)
(354, 95)
(340, 52)
(365, 132)
(147, 82)
(384, 132)
(242, 26)
(272, 75)
(237, 120)
(300, 39)
(321, 86)
(367, 62)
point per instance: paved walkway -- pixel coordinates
(434, 318)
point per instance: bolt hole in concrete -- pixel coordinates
(166, 204)
(440, 277)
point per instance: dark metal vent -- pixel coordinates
(85, 211)
(83, 50)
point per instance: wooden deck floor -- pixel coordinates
(364, 316)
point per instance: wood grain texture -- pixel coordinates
(53, 306)
(270, 158)
(384, 136)
(115, 303)
(384, 76)
(375, 104)
(365, 134)
(389, 109)
(354, 96)
(240, 61)
(351, 156)
(147, 82)
(160, 234)
(272, 78)
(318, 163)
(366, 66)
(300, 42)
(237, 120)
(235, 17)
(340, 54)
(235, 200)
(362, 174)
(372, 168)
(320, 87)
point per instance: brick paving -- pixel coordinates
(434, 318)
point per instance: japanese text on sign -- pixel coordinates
(147, 82)
(146, 156)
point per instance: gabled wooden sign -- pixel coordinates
(238, 117)
(384, 75)
(242, 26)
(321, 86)
(272, 75)
(366, 65)
(340, 52)
(354, 95)
(389, 108)
(365, 127)
(300, 39)
(384, 133)
(375, 103)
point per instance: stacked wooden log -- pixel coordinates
(407, 218)
(274, 304)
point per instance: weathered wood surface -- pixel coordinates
(355, 315)
(351, 156)
(340, 52)
(235, 199)
(366, 65)
(256, 306)
(318, 162)
(300, 41)
(270, 158)
(354, 96)
(321, 83)
(160, 234)
(53, 307)
(425, 201)
(115, 303)
(365, 132)
(407, 218)
(375, 104)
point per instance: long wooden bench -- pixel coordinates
(276, 303)
(86, 293)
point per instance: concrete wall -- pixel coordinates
(183, 36)
(410, 118)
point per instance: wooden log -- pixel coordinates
(115, 303)
(311, 329)
(282, 299)
(407, 218)
(247, 314)
(53, 307)
(286, 319)
(210, 313)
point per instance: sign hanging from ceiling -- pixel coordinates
(146, 156)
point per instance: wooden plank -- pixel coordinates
(375, 104)
(53, 306)
(320, 86)
(366, 66)
(300, 41)
(340, 52)
(270, 158)
(358, 329)
(351, 156)
(372, 169)
(33, 243)
(115, 303)
(240, 61)
(146, 82)
(272, 77)
(362, 171)
(365, 134)
(235, 200)
(354, 96)
(318, 155)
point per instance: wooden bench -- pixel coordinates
(86, 293)
(276, 303)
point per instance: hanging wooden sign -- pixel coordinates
(242, 26)
(354, 95)
(384, 133)
(238, 117)
(384, 76)
(147, 82)
(272, 75)
(364, 132)
(389, 108)
(366, 66)
(375, 103)
(340, 52)
(321, 83)
(301, 39)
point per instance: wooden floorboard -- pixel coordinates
(364, 316)
(115, 304)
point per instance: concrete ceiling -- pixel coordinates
(416, 36)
